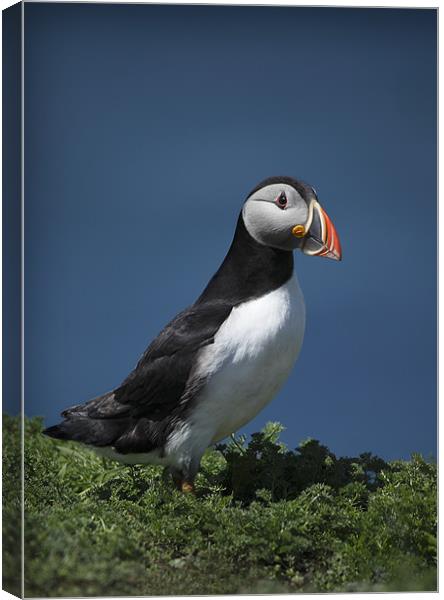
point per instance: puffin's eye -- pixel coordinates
(281, 200)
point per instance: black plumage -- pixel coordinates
(304, 189)
(139, 415)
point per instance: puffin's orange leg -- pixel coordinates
(182, 484)
(187, 487)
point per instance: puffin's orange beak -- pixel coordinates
(332, 245)
(321, 237)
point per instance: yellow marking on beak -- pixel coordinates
(298, 231)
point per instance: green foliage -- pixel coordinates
(12, 502)
(267, 464)
(265, 520)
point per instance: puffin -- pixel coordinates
(224, 358)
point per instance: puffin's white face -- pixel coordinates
(287, 216)
(271, 213)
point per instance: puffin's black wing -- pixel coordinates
(158, 382)
(136, 416)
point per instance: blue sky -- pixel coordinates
(146, 126)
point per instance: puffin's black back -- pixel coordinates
(139, 414)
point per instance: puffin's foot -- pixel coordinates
(187, 487)
(183, 484)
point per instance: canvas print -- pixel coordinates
(219, 316)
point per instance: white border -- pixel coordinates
(325, 3)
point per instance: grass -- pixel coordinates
(265, 520)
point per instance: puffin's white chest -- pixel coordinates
(251, 357)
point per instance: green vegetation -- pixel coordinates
(265, 520)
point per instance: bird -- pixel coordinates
(220, 361)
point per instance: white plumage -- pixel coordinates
(250, 359)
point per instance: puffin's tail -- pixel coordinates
(94, 432)
(57, 431)
(99, 422)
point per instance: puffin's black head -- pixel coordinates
(284, 213)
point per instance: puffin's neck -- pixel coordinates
(248, 271)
